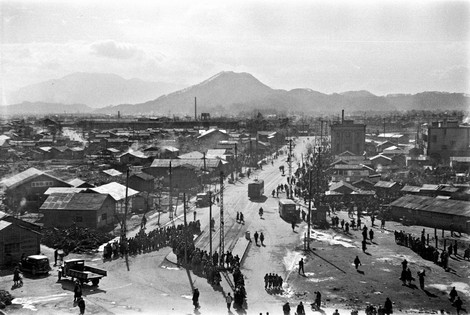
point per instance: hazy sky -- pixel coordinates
(328, 46)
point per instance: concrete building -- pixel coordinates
(446, 139)
(347, 136)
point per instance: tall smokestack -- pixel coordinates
(342, 116)
(195, 109)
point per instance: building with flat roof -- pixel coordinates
(347, 136)
(446, 139)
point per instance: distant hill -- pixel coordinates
(232, 92)
(38, 108)
(92, 89)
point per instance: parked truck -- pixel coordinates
(76, 269)
(256, 189)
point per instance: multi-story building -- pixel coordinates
(347, 136)
(446, 139)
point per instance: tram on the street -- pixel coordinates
(288, 209)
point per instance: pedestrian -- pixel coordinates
(409, 277)
(388, 307)
(371, 235)
(318, 300)
(404, 264)
(342, 223)
(194, 216)
(357, 262)
(382, 224)
(453, 294)
(81, 305)
(238, 216)
(364, 246)
(293, 225)
(421, 275)
(196, 298)
(256, 235)
(261, 213)
(144, 222)
(56, 255)
(273, 193)
(458, 305)
(77, 291)
(300, 309)
(286, 308)
(301, 266)
(336, 312)
(261, 238)
(242, 218)
(229, 300)
(16, 276)
(372, 220)
(303, 215)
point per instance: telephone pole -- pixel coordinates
(290, 168)
(222, 234)
(170, 201)
(309, 206)
(210, 223)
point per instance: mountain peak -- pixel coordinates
(361, 93)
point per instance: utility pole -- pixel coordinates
(309, 207)
(236, 163)
(222, 234)
(290, 168)
(124, 225)
(170, 201)
(185, 232)
(210, 223)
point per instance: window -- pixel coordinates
(104, 216)
(78, 219)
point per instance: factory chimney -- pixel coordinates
(342, 116)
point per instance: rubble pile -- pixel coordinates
(5, 298)
(74, 239)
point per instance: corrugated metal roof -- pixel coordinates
(424, 203)
(4, 224)
(76, 182)
(430, 187)
(192, 155)
(385, 184)
(74, 202)
(63, 190)
(198, 163)
(115, 190)
(409, 188)
(112, 172)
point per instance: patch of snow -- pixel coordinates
(28, 302)
(330, 239)
(316, 280)
(291, 260)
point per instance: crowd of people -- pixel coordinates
(273, 282)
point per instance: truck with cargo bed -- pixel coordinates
(75, 268)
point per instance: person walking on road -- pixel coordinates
(453, 294)
(371, 235)
(300, 309)
(81, 305)
(77, 290)
(388, 307)
(458, 305)
(301, 266)
(293, 226)
(286, 308)
(238, 216)
(229, 300)
(357, 262)
(261, 238)
(256, 237)
(318, 300)
(421, 275)
(196, 298)
(242, 218)
(261, 213)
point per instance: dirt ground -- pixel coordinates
(329, 268)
